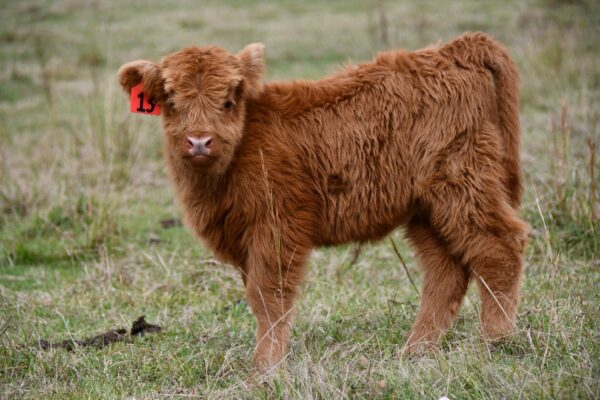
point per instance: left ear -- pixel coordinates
(252, 58)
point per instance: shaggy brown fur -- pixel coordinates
(428, 140)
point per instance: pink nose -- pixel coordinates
(199, 147)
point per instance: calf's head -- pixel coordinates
(203, 94)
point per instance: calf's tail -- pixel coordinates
(479, 48)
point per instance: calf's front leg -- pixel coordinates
(271, 288)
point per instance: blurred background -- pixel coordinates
(90, 235)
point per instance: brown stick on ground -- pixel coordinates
(139, 328)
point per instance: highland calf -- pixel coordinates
(428, 140)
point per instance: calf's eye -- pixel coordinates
(228, 105)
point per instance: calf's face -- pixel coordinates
(203, 94)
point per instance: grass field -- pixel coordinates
(83, 192)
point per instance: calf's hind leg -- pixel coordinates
(488, 236)
(445, 284)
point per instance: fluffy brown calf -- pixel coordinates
(428, 140)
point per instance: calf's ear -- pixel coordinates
(252, 58)
(134, 72)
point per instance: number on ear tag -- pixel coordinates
(140, 103)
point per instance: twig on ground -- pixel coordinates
(404, 265)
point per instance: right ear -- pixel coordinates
(134, 72)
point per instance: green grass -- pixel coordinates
(83, 192)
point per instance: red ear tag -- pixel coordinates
(140, 103)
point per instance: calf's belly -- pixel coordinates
(363, 218)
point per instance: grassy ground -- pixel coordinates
(83, 193)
